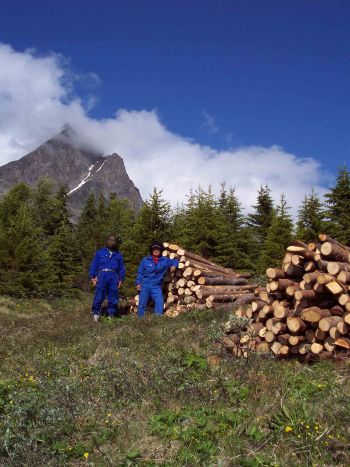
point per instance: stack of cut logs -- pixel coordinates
(305, 308)
(199, 283)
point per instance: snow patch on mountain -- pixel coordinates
(85, 179)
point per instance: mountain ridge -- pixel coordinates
(81, 170)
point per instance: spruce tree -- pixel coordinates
(187, 222)
(206, 222)
(88, 230)
(260, 220)
(121, 222)
(178, 223)
(63, 249)
(24, 265)
(12, 202)
(153, 221)
(200, 223)
(338, 207)
(232, 240)
(310, 218)
(119, 218)
(64, 258)
(278, 236)
(51, 207)
(102, 219)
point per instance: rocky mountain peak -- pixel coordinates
(68, 163)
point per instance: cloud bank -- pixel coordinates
(37, 98)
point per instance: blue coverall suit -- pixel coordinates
(108, 267)
(150, 276)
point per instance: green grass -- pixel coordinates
(158, 392)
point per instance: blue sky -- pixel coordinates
(264, 72)
(222, 74)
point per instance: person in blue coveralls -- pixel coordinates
(150, 276)
(107, 273)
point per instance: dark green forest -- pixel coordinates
(44, 254)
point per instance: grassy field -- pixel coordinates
(158, 392)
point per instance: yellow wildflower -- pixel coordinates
(86, 455)
(288, 429)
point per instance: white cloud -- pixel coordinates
(37, 99)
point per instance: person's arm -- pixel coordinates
(93, 268)
(121, 271)
(173, 264)
(139, 275)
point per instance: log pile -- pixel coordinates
(201, 284)
(305, 307)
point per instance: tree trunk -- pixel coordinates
(334, 267)
(335, 252)
(316, 348)
(335, 287)
(326, 238)
(344, 277)
(314, 314)
(326, 323)
(274, 273)
(295, 324)
(343, 342)
(220, 280)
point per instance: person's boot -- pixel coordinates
(96, 318)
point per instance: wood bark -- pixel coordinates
(335, 252)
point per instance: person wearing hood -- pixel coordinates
(150, 277)
(107, 273)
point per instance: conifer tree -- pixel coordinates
(200, 223)
(178, 223)
(102, 219)
(121, 222)
(23, 261)
(232, 239)
(261, 219)
(278, 236)
(153, 221)
(12, 202)
(338, 207)
(51, 207)
(310, 218)
(63, 251)
(64, 258)
(88, 230)
(187, 222)
(119, 218)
